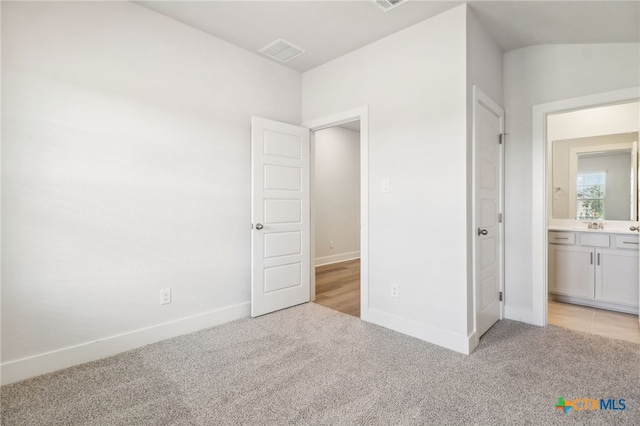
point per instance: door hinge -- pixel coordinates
(499, 217)
(500, 296)
(501, 138)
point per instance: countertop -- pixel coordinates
(585, 229)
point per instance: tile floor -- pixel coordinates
(615, 325)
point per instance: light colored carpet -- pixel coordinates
(312, 365)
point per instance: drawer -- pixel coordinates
(562, 238)
(594, 240)
(629, 242)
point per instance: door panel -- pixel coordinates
(489, 287)
(489, 252)
(615, 276)
(488, 202)
(280, 205)
(489, 213)
(571, 271)
(285, 178)
(282, 277)
(282, 244)
(283, 211)
(282, 144)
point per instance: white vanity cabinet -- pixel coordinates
(594, 269)
(571, 271)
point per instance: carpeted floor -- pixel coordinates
(312, 365)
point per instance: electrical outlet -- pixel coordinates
(394, 290)
(330, 244)
(165, 296)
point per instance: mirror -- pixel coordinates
(594, 176)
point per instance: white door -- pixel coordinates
(488, 122)
(279, 216)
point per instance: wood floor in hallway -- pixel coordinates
(338, 286)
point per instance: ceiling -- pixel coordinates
(329, 29)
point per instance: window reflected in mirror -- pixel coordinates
(590, 190)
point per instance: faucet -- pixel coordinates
(595, 225)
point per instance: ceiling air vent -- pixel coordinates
(281, 50)
(387, 5)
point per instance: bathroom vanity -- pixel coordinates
(592, 190)
(597, 268)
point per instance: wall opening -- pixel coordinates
(336, 204)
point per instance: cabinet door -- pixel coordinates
(617, 276)
(571, 271)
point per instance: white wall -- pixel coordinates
(125, 170)
(606, 120)
(484, 58)
(532, 76)
(415, 84)
(337, 195)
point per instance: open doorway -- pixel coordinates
(592, 189)
(336, 204)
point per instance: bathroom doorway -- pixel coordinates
(592, 206)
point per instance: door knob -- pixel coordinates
(259, 226)
(635, 228)
(482, 232)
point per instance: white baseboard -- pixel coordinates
(437, 336)
(327, 260)
(618, 307)
(473, 341)
(21, 369)
(522, 315)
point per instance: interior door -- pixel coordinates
(279, 216)
(488, 121)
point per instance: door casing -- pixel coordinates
(539, 195)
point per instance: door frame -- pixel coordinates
(482, 99)
(362, 114)
(540, 158)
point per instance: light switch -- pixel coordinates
(386, 186)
